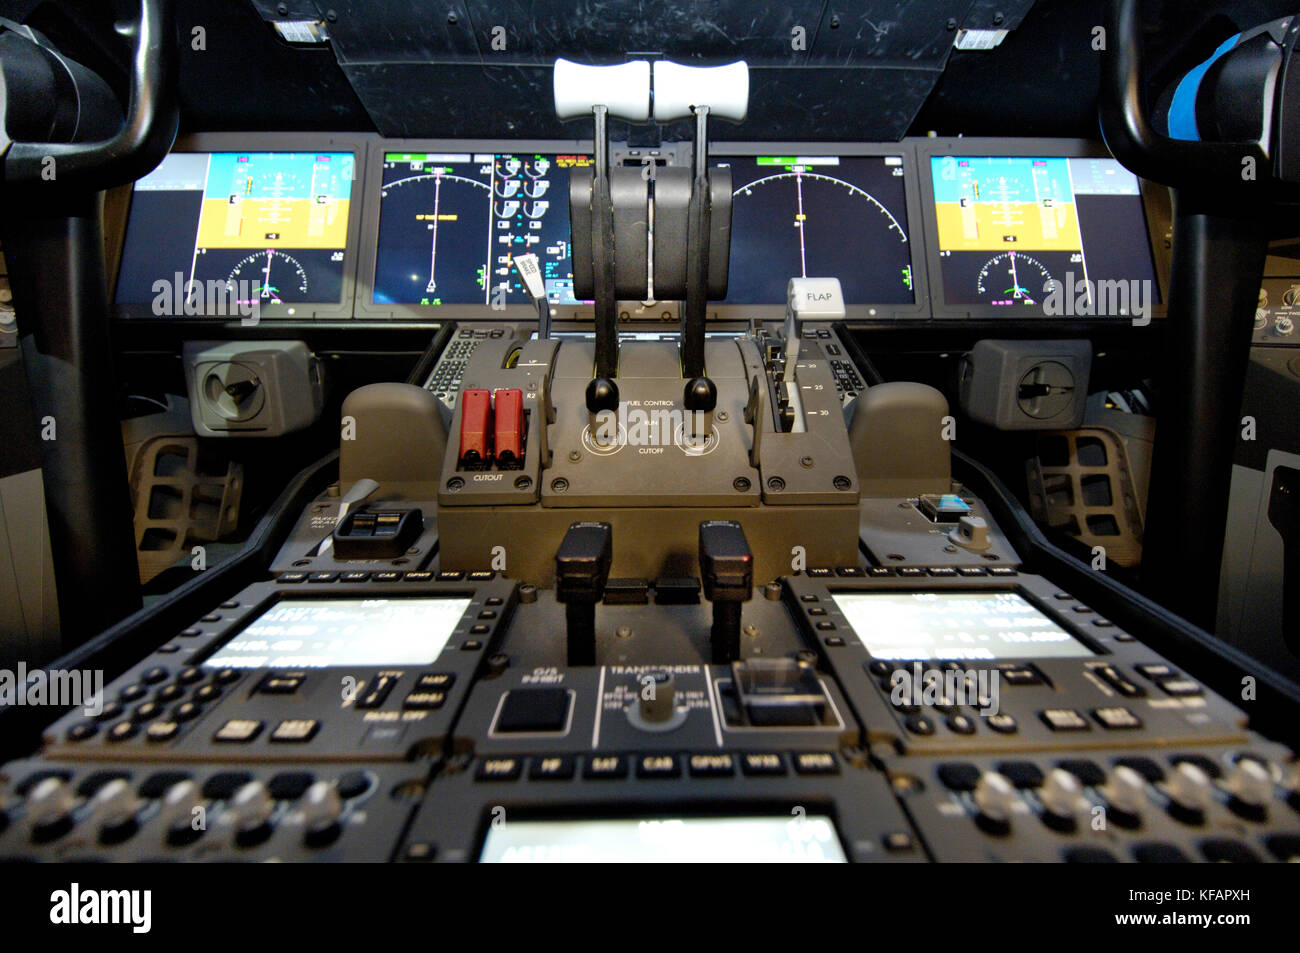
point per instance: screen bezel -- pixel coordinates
(864, 311)
(208, 142)
(366, 308)
(964, 588)
(1154, 210)
(259, 609)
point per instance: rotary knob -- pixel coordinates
(1189, 788)
(1062, 798)
(658, 697)
(182, 805)
(996, 798)
(251, 807)
(49, 803)
(114, 806)
(1125, 791)
(321, 807)
(1250, 784)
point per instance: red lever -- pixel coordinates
(509, 428)
(475, 425)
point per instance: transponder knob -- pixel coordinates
(658, 697)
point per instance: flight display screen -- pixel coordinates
(215, 232)
(955, 625)
(1051, 236)
(450, 224)
(807, 838)
(336, 633)
(816, 216)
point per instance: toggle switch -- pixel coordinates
(508, 431)
(700, 398)
(475, 427)
(602, 404)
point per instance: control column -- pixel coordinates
(581, 571)
(727, 568)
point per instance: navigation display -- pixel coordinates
(955, 625)
(821, 216)
(450, 224)
(212, 233)
(1053, 236)
(333, 633)
(790, 839)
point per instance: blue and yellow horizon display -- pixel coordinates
(1015, 230)
(273, 221)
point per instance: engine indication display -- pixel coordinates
(1042, 235)
(270, 227)
(819, 216)
(450, 224)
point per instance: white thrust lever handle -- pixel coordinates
(724, 89)
(623, 89)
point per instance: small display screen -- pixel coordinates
(815, 216)
(771, 839)
(210, 233)
(342, 633)
(955, 625)
(450, 224)
(1049, 236)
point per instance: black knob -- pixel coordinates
(701, 395)
(602, 394)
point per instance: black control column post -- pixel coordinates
(727, 569)
(581, 571)
(602, 251)
(697, 252)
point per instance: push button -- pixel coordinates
(499, 769)
(551, 768)
(424, 701)
(658, 766)
(295, 730)
(711, 765)
(526, 710)
(277, 683)
(376, 691)
(605, 767)
(436, 681)
(1064, 719)
(1116, 719)
(762, 763)
(238, 731)
(289, 578)
(816, 762)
